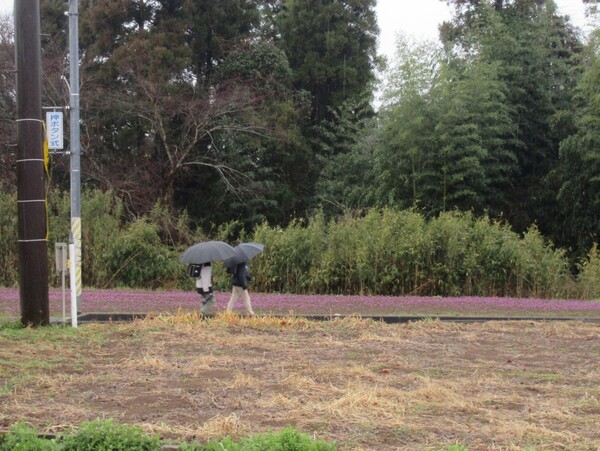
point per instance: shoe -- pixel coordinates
(207, 303)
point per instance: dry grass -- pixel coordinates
(367, 385)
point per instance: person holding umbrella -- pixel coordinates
(198, 258)
(237, 266)
(239, 280)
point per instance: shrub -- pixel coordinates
(380, 252)
(109, 436)
(288, 439)
(139, 259)
(106, 435)
(11, 324)
(102, 219)
(8, 239)
(22, 437)
(290, 256)
(589, 275)
(393, 252)
(446, 245)
(103, 227)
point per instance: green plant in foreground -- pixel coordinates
(22, 437)
(457, 448)
(10, 324)
(106, 435)
(288, 439)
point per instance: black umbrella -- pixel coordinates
(208, 251)
(243, 253)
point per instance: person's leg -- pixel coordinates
(235, 295)
(199, 288)
(247, 304)
(206, 286)
(208, 302)
(206, 278)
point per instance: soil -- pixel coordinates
(364, 384)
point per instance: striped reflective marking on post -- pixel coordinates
(73, 282)
(76, 232)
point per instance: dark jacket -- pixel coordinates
(240, 277)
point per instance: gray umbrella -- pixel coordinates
(243, 253)
(208, 251)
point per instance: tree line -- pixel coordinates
(262, 111)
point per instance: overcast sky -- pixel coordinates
(418, 18)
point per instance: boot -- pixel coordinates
(207, 303)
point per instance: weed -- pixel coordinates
(457, 448)
(106, 435)
(22, 437)
(109, 436)
(10, 325)
(288, 439)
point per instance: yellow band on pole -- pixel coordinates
(76, 232)
(46, 149)
(46, 164)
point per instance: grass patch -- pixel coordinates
(359, 383)
(107, 435)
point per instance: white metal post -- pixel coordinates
(72, 257)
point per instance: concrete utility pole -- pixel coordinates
(75, 143)
(31, 182)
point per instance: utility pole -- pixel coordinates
(75, 144)
(31, 181)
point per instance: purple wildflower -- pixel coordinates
(140, 301)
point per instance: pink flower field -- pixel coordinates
(140, 301)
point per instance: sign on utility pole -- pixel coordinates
(54, 130)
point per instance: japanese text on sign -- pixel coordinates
(54, 129)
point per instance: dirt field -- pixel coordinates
(366, 385)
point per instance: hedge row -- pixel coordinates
(383, 252)
(399, 252)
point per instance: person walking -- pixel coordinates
(204, 287)
(239, 280)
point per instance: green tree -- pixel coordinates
(443, 129)
(270, 162)
(347, 158)
(577, 225)
(475, 133)
(187, 98)
(331, 46)
(407, 147)
(536, 53)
